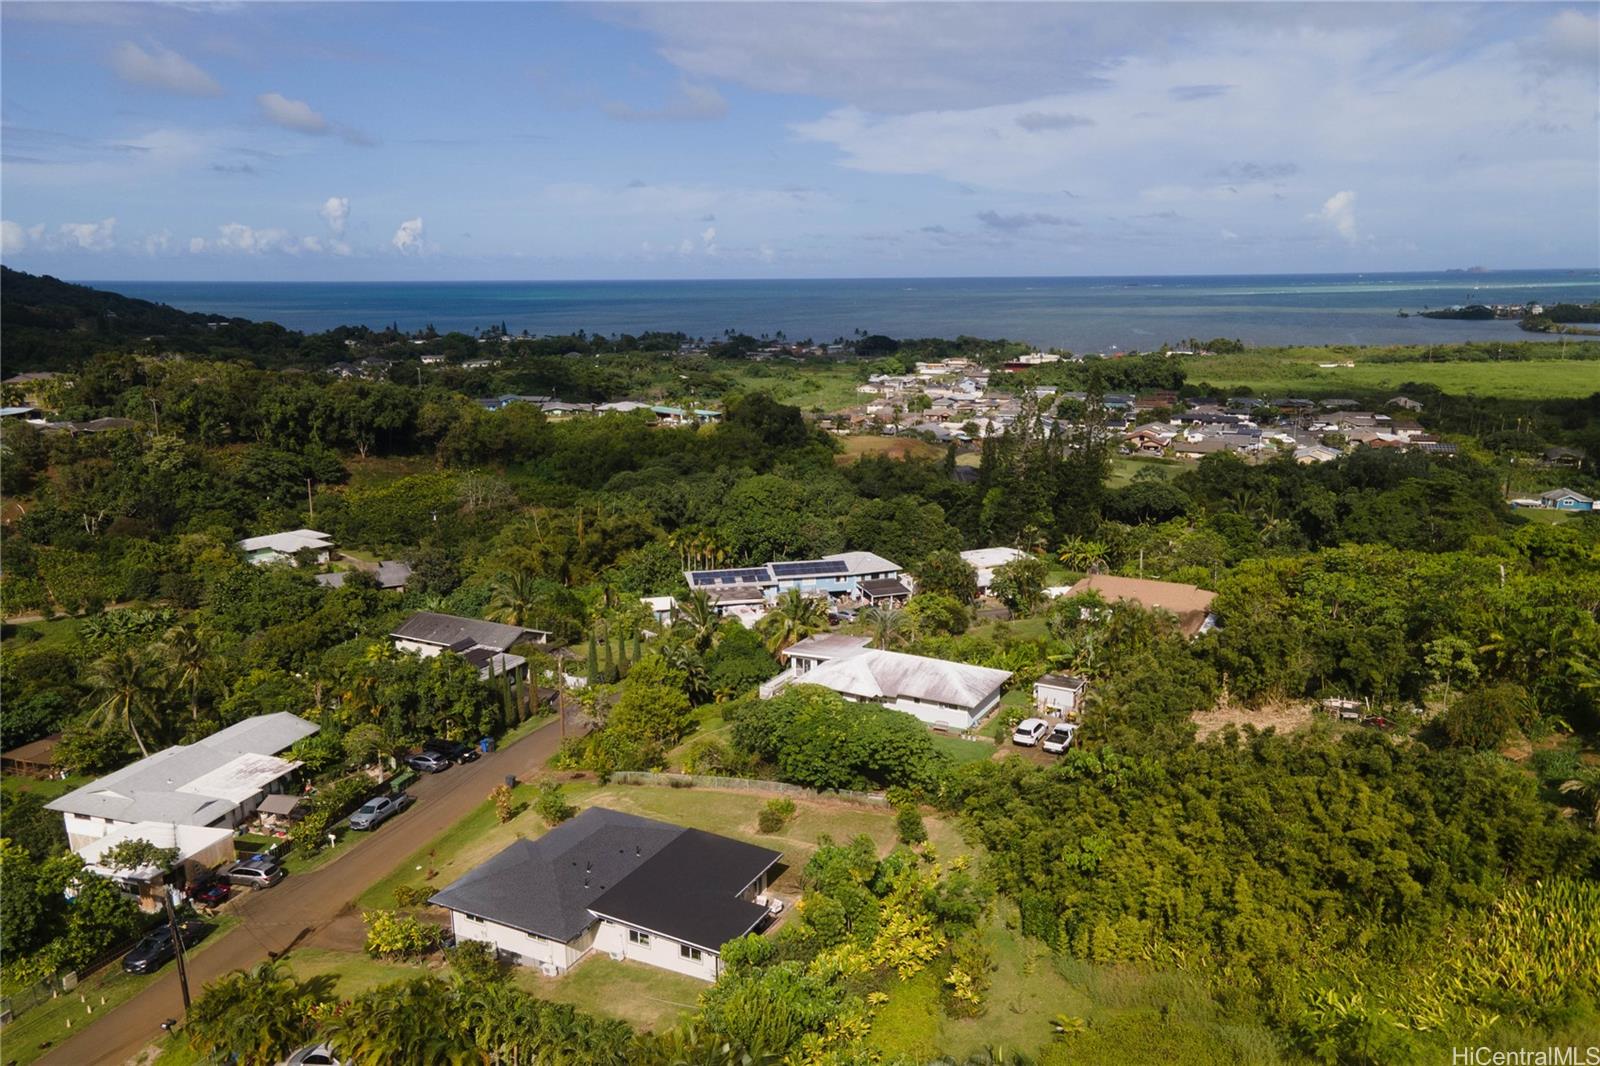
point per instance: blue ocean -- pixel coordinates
(1079, 313)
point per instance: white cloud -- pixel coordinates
(161, 68)
(238, 237)
(13, 238)
(686, 247)
(708, 235)
(408, 237)
(1339, 211)
(291, 114)
(158, 242)
(89, 236)
(197, 245)
(336, 212)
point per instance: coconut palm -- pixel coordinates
(1081, 553)
(187, 658)
(127, 687)
(698, 620)
(514, 597)
(255, 1018)
(682, 658)
(794, 618)
(890, 626)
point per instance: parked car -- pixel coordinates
(1028, 731)
(372, 813)
(258, 871)
(313, 1055)
(454, 750)
(156, 949)
(1060, 738)
(427, 762)
(211, 893)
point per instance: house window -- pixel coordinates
(636, 937)
(687, 952)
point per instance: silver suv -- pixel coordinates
(258, 871)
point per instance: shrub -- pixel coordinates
(504, 804)
(396, 936)
(775, 815)
(908, 824)
(476, 962)
(408, 896)
(968, 980)
(552, 804)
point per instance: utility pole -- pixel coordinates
(311, 504)
(177, 943)
(157, 410)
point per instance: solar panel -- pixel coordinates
(809, 568)
(704, 578)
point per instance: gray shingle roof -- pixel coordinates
(545, 886)
(426, 627)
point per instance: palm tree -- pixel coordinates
(127, 688)
(411, 1021)
(682, 658)
(255, 1018)
(1586, 786)
(187, 658)
(794, 618)
(514, 597)
(890, 626)
(1080, 553)
(699, 619)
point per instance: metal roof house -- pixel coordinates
(841, 575)
(218, 781)
(1191, 605)
(1566, 500)
(985, 561)
(281, 547)
(607, 881)
(945, 694)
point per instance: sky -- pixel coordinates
(461, 141)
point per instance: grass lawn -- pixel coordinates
(643, 996)
(352, 973)
(809, 387)
(1030, 628)
(1297, 373)
(15, 784)
(893, 447)
(478, 836)
(58, 633)
(963, 751)
(374, 471)
(48, 1024)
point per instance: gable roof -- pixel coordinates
(548, 886)
(987, 558)
(287, 543)
(872, 674)
(448, 631)
(865, 563)
(689, 890)
(193, 784)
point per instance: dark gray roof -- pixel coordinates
(690, 890)
(885, 586)
(446, 630)
(545, 886)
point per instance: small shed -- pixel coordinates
(37, 759)
(1059, 693)
(882, 592)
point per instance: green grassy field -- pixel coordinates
(809, 387)
(1295, 371)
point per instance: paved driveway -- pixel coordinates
(275, 919)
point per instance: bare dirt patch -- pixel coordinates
(1284, 717)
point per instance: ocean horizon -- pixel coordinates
(1076, 313)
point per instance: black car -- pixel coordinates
(156, 949)
(454, 750)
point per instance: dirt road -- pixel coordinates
(278, 918)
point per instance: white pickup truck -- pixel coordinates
(1060, 738)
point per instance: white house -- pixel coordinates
(486, 645)
(281, 547)
(631, 887)
(942, 693)
(839, 575)
(987, 560)
(1061, 694)
(218, 781)
(662, 608)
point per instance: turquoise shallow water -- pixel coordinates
(1080, 314)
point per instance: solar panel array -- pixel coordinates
(810, 568)
(705, 578)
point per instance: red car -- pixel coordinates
(211, 893)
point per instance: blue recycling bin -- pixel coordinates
(486, 744)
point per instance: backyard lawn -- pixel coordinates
(1295, 373)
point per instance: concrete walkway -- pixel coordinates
(279, 918)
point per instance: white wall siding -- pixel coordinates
(662, 951)
(416, 647)
(530, 950)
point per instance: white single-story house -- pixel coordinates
(840, 574)
(486, 645)
(987, 560)
(1059, 693)
(662, 608)
(216, 782)
(631, 887)
(942, 693)
(198, 849)
(281, 547)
